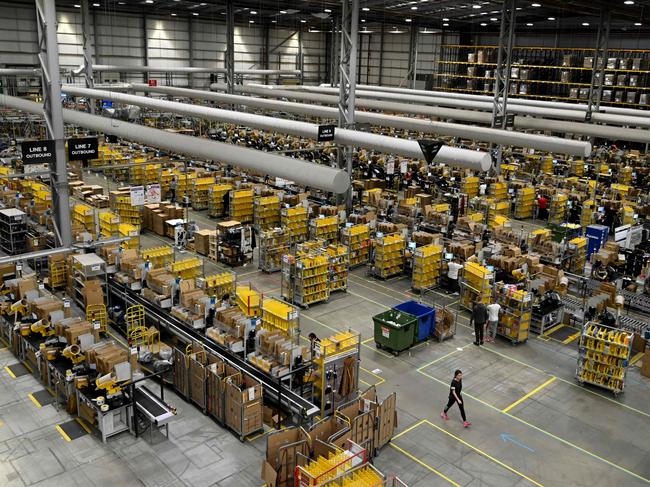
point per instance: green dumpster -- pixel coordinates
(394, 330)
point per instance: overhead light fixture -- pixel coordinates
(202, 4)
(196, 14)
(445, 25)
(77, 6)
(551, 18)
(638, 24)
(445, 20)
(628, 2)
(518, 8)
(148, 1)
(96, 5)
(493, 19)
(303, 21)
(529, 24)
(535, 5)
(365, 9)
(477, 6)
(253, 12)
(585, 24)
(363, 20)
(414, 8)
(173, 14)
(274, 21)
(407, 20)
(483, 24)
(327, 11)
(251, 21)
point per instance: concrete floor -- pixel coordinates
(532, 424)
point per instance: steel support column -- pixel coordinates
(336, 51)
(381, 55)
(502, 71)
(413, 55)
(230, 46)
(48, 58)
(348, 81)
(145, 46)
(88, 51)
(598, 68)
(301, 56)
(190, 36)
(266, 33)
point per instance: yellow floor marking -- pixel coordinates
(486, 455)
(381, 379)
(35, 401)
(551, 330)
(11, 374)
(543, 431)
(249, 273)
(636, 358)
(62, 433)
(369, 300)
(368, 340)
(379, 292)
(410, 428)
(537, 389)
(28, 367)
(428, 467)
(571, 338)
(83, 424)
(443, 357)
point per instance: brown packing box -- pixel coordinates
(44, 306)
(93, 293)
(72, 332)
(285, 445)
(159, 223)
(188, 299)
(645, 365)
(26, 284)
(202, 241)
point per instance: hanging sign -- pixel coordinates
(390, 167)
(510, 120)
(153, 194)
(152, 82)
(83, 149)
(38, 152)
(430, 149)
(404, 167)
(137, 196)
(326, 133)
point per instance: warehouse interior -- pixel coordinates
(324, 243)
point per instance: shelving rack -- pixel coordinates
(86, 267)
(216, 194)
(557, 209)
(188, 268)
(85, 216)
(159, 256)
(218, 284)
(497, 213)
(603, 356)
(120, 203)
(548, 73)
(470, 186)
(305, 278)
(427, 265)
(476, 285)
(281, 317)
(57, 273)
(266, 212)
(524, 203)
(200, 192)
(185, 181)
(128, 230)
(389, 255)
(137, 171)
(108, 223)
(241, 205)
(295, 221)
(339, 267)
(234, 243)
(588, 208)
(578, 255)
(13, 231)
(274, 244)
(357, 239)
(517, 308)
(248, 300)
(499, 190)
(325, 228)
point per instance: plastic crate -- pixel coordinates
(426, 318)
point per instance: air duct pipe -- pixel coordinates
(533, 111)
(20, 72)
(479, 161)
(538, 142)
(189, 70)
(511, 101)
(601, 131)
(302, 172)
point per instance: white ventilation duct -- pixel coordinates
(302, 172)
(478, 161)
(189, 70)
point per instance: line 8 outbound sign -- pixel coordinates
(38, 152)
(83, 149)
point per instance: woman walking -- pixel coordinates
(455, 397)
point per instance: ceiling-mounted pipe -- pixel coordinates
(539, 142)
(479, 161)
(533, 111)
(511, 101)
(189, 70)
(580, 128)
(302, 172)
(20, 72)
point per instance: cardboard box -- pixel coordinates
(645, 366)
(282, 449)
(93, 292)
(202, 241)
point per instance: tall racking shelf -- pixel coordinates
(305, 278)
(295, 221)
(557, 209)
(108, 223)
(427, 264)
(603, 356)
(120, 202)
(524, 203)
(85, 268)
(187, 268)
(476, 285)
(281, 317)
(13, 231)
(266, 212)
(339, 267)
(218, 284)
(216, 195)
(185, 181)
(548, 73)
(470, 186)
(389, 255)
(357, 239)
(128, 230)
(159, 256)
(200, 192)
(248, 300)
(241, 205)
(578, 255)
(325, 228)
(273, 245)
(85, 216)
(499, 190)
(517, 307)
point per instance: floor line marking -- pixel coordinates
(249, 273)
(636, 358)
(382, 380)
(119, 340)
(11, 374)
(264, 433)
(379, 292)
(410, 428)
(571, 338)
(551, 330)
(425, 465)
(34, 400)
(543, 431)
(534, 391)
(368, 340)
(28, 367)
(486, 455)
(83, 424)
(63, 433)
(442, 358)
(370, 300)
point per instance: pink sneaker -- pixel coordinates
(444, 416)
(467, 424)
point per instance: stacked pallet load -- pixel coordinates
(524, 203)
(514, 321)
(476, 285)
(108, 223)
(274, 244)
(357, 239)
(200, 192)
(389, 255)
(85, 216)
(216, 195)
(241, 205)
(218, 284)
(339, 267)
(295, 221)
(587, 214)
(131, 231)
(266, 212)
(325, 228)
(498, 213)
(557, 210)
(427, 263)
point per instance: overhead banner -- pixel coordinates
(83, 149)
(430, 149)
(326, 133)
(137, 196)
(38, 152)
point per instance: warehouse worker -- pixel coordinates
(453, 268)
(176, 291)
(118, 256)
(146, 268)
(479, 318)
(493, 310)
(173, 186)
(542, 207)
(455, 397)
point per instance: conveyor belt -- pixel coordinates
(147, 402)
(289, 400)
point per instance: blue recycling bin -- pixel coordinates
(596, 238)
(426, 318)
